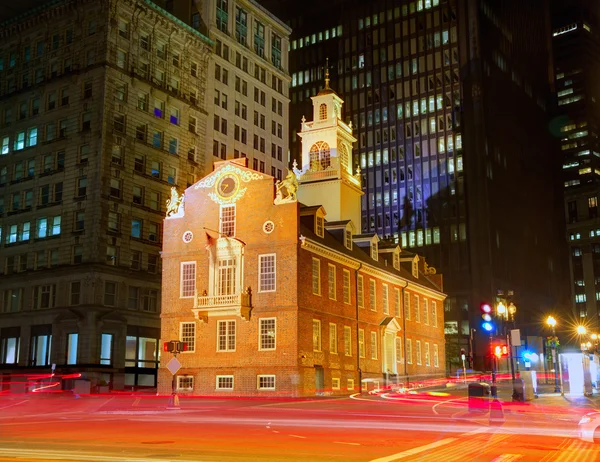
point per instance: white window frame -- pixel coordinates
(347, 341)
(419, 353)
(408, 351)
(260, 334)
(347, 296)
(217, 387)
(417, 308)
(331, 286)
(335, 383)
(261, 283)
(316, 276)
(434, 313)
(317, 342)
(361, 343)
(399, 350)
(386, 299)
(373, 294)
(350, 384)
(180, 380)
(436, 355)
(397, 304)
(333, 338)
(231, 222)
(227, 335)
(407, 306)
(361, 291)
(425, 311)
(183, 293)
(374, 345)
(427, 355)
(182, 339)
(258, 377)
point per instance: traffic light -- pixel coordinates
(486, 315)
(500, 350)
(175, 346)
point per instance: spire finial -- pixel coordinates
(327, 74)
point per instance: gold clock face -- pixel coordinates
(227, 186)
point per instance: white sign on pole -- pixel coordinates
(174, 365)
(515, 337)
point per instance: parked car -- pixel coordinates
(589, 427)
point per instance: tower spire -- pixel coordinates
(327, 74)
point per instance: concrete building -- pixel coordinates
(102, 113)
(576, 43)
(450, 101)
(275, 296)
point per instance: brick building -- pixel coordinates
(280, 296)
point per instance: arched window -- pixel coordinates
(343, 156)
(319, 156)
(323, 112)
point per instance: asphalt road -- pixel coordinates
(421, 427)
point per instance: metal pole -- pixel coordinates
(494, 388)
(554, 358)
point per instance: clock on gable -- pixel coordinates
(228, 186)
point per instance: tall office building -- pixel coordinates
(449, 101)
(102, 113)
(249, 81)
(575, 26)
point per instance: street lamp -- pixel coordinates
(552, 323)
(507, 313)
(581, 330)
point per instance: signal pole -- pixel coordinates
(175, 347)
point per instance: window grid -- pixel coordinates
(316, 276)
(265, 382)
(397, 302)
(427, 356)
(361, 343)
(228, 220)
(347, 341)
(409, 351)
(331, 281)
(335, 383)
(434, 321)
(333, 348)
(398, 349)
(226, 336)
(418, 353)
(425, 311)
(268, 334)
(188, 279)
(316, 335)
(350, 384)
(224, 382)
(407, 306)
(185, 382)
(188, 335)
(373, 345)
(267, 273)
(416, 309)
(385, 301)
(436, 362)
(360, 292)
(347, 286)
(372, 295)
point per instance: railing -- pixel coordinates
(216, 301)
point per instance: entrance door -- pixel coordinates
(319, 380)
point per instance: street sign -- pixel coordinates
(174, 365)
(515, 337)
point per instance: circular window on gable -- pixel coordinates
(187, 237)
(268, 227)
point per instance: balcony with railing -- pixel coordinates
(238, 304)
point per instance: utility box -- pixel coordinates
(529, 385)
(479, 397)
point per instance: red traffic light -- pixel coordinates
(500, 350)
(486, 308)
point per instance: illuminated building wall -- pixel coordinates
(575, 26)
(450, 102)
(274, 298)
(102, 111)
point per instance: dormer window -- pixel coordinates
(323, 112)
(319, 226)
(415, 268)
(348, 239)
(374, 250)
(227, 220)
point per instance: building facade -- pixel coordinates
(272, 297)
(450, 103)
(102, 112)
(575, 40)
(248, 88)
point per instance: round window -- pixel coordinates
(268, 227)
(187, 237)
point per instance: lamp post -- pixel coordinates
(552, 323)
(507, 313)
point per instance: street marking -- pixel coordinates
(444, 402)
(417, 450)
(16, 404)
(297, 436)
(507, 457)
(136, 402)
(343, 442)
(64, 455)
